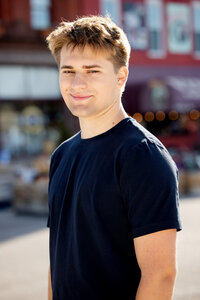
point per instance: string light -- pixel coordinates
(173, 115)
(149, 116)
(138, 117)
(160, 115)
(194, 114)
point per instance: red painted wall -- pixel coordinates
(90, 7)
(5, 11)
(70, 9)
(13, 11)
(64, 10)
(139, 57)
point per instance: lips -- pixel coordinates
(80, 97)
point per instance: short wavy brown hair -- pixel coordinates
(98, 32)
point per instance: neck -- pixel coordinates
(91, 127)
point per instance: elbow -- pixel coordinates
(169, 274)
(164, 274)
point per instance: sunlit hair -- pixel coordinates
(98, 32)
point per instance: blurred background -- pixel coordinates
(162, 93)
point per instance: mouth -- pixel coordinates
(80, 97)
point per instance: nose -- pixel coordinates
(78, 82)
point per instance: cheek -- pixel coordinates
(63, 84)
(109, 86)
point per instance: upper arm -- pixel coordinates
(156, 252)
(149, 189)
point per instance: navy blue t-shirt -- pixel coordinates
(103, 192)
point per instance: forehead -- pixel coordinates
(85, 55)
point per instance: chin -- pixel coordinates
(80, 114)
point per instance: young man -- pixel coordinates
(113, 197)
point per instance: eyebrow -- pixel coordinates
(84, 67)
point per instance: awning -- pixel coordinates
(180, 93)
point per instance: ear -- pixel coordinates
(122, 76)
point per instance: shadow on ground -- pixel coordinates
(13, 225)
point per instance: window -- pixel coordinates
(196, 25)
(113, 8)
(40, 14)
(135, 25)
(155, 26)
(179, 28)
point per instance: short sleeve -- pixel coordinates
(149, 189)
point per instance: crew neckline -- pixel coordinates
(103, 134)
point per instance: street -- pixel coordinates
(24, 256)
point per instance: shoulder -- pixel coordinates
(65, 145)
(135, 137)
(61, 151)
(143, 150)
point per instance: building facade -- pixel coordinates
(163, 87)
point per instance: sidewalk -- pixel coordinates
(24, 256)
(188, 251)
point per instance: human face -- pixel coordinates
(88, 82)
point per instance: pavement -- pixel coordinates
(24, 255)
(188, 252)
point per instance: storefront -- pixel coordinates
(168, 105)
(33, 122)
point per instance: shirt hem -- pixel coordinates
(155, 228)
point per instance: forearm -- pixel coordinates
(50, 297)
(156, 288)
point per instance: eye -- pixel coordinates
(93, 71)
(68, 72)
